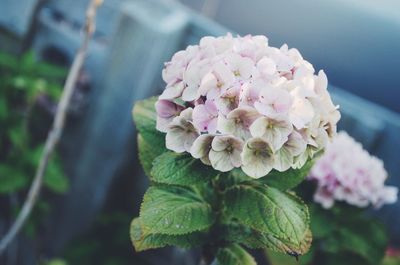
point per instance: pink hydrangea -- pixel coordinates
(346, 172)
(264, 105)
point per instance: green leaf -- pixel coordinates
(147, 153)
(174, 210)
(234, 255)
(280, 215)
(144, 115)
(180, 169)
(288, 179)
(11, 179)
(252, 238)
(142, 241)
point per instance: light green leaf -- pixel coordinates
(180, 169)
(280, 215)
(147, 153)
(142, 241)
(144, 115)
(234, 255)
(174, 210)
(288, 179)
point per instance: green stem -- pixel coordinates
(210, 250)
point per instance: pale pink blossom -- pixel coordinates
(229, 100)
(241, 88)
(238, 122)
(274, 102)
(274, 131)
(205, 117)
(181, 133)
(166, 112)
(249, 93)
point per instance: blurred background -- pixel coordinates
(94, 184)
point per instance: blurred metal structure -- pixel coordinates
(133, 40)
(16, 16)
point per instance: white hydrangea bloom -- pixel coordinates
(241, 94)
(346, 172)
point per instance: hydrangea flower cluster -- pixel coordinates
(347, 172)
(237, 102)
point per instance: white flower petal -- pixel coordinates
(275, 132)
(257, 158)
(201, 146)
(174, 140)
(220, 161)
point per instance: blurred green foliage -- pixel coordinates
(24, 123)
(391, 260)
(341, 235)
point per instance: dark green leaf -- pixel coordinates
(282, 216)
(180, 169)
(174, 211)
(147, 153)
(142, 241)
(234, 255)
(252, 238)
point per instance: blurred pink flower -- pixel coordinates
(347, 172)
